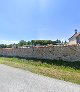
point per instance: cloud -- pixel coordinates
(8, 42)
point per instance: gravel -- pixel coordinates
(18, 80)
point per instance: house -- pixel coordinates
(75, 39)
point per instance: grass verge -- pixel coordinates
(67, 71)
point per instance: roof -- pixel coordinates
(75, 35)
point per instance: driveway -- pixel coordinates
(18, 80)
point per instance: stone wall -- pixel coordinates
(68, 53)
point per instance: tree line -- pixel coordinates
(39, 42)
(32, 43)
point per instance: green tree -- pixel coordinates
(3, 45)
(28, 43)
(58, 41)
(9, 46)
(22, 43)
(65, 42)
(41, 42)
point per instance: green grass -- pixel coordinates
(68, 71)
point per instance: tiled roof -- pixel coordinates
(75, 35)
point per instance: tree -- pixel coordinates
(22, 43)
(28, 43)
(65, 42)
(9, 46)
(41, 42)
(33, 42)
(58, 41)
(3, 45)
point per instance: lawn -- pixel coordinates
(63, 70)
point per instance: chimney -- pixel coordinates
(75, 31)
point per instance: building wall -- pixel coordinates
(78, 39)
(68, 53)
(72, 41)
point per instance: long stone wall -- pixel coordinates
(68, 53)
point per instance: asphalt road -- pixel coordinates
(17, 80)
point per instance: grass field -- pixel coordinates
(68, 71)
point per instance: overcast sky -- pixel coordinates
(38, 19)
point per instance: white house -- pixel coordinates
(75, 39)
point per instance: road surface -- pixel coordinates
(17, 80)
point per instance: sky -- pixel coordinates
(38, 20)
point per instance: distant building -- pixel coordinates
(75, 39)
